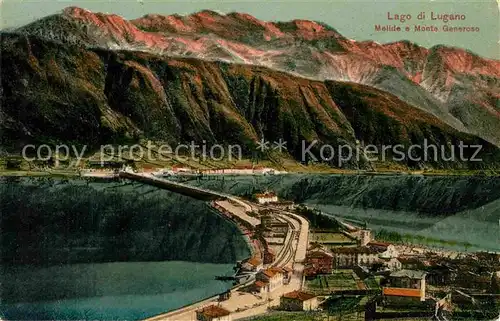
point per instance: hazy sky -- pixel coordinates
(354, 19)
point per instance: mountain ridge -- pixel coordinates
(240, 85)
(68, 93)
(435, 79)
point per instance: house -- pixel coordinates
(411, 262)
(298, 301)
(392, 264)
(364, 236)
(320, 260)
(253, 264)
(213, 313)
(273, 276)
(269, 280)
(349, 257)
(309, 272)
(406, 284)
(386, 250)
(260, 287)
(267, 197)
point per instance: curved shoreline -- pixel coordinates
(293, 253)
(252, 246)
(242, 252)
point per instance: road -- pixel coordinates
(297, 244)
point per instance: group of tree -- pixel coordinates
(317, 219)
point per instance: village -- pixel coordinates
(347, 272)
(305, 261)
(385, 281)
(97, 167)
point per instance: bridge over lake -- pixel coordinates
(187, 190)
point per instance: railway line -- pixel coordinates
(292, 252)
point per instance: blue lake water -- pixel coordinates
(106, 291)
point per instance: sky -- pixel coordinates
(355, 19)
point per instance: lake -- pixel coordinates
(80, 250)
(106, 291)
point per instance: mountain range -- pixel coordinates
(95, 78)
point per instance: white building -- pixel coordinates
(349, 257)
(373, 252)
(273, 277)
(267, 197)
(386, 250)
(261, 287)
(392, 264)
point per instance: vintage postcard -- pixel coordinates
(250, 160)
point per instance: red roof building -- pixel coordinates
(213, 313)
(274, 276)
(403, 292)
(383, 245)
(267, 197)
(406, 283)
(298, 301)
(261, 286)
(319, 261)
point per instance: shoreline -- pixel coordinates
(234, 211)
(239, 231)
(252, 247)
(333, 172)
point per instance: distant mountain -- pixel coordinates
(458, 86)
(92, 77)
